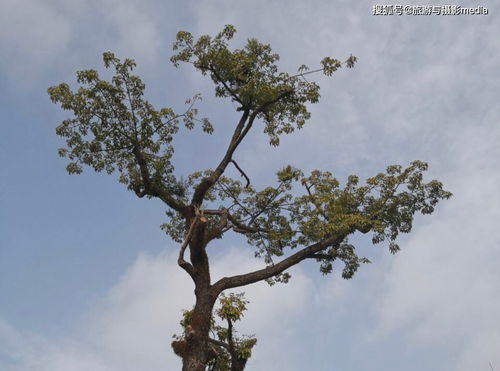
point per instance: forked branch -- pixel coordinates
(150, 189)
(242, 129)
(206, 183)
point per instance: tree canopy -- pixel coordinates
(296, 217)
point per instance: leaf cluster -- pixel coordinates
(114, 128)
(301, 210)
(250, 77)
(228, 347)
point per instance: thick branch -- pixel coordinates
(152, 190)
(238, 135)
(231, 91)
(271, 271)
(230, 339)
(207, 182)
(143, 167)
(258, 110)
(182, 263)
(219, 229)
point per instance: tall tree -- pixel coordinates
(300, 216)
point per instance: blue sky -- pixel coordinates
(88, 281)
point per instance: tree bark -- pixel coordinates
(198, 350)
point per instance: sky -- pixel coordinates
(88, 281)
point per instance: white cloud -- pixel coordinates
(443, 289)
(135, 27)
(33, 34)
(39, 38)
(131, 328)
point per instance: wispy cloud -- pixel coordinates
(443, 290)
(131, 328)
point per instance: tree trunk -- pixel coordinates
(198, 350)
(238, 364)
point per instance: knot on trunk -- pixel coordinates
(179, 347)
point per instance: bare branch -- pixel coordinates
(242, 173)
(207, 182)
(302, 74)
(230, 339)
(268, 272)
(269, 201)
(231, 91)
(238, 135)
(153, 190)
(235, 198)
(180, 260)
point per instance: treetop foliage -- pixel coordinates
(304, 210)
(250, 77)
(115, 129)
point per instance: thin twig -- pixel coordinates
(314, 201)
